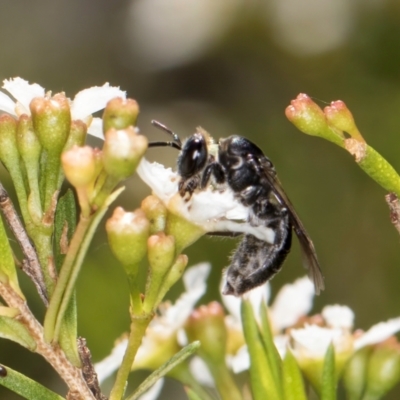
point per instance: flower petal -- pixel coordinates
(154, 391)
(195, 284)
(292, 302)
(111, 363)
(200, 371)
(378, 333)
(240, 361)
(96, 128)
(88, 101)
(6, 104)
(23, 91)
(312, 341)
(337, 316)
(162, 181)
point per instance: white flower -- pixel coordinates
(312, 341)
(212, 210)
(338, 317)
(163, 328)
(85, 103)
(378, 333)
(292, 302)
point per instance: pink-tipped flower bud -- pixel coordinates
(120, 114)
(79, 166)
(308, 117)
(340, 117)
(51, 119)
(127, 234)
(122, 151)
(383, 369)
(156, 213)
(207, 325)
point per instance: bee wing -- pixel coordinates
(309, 254)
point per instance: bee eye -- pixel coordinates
(193, 156)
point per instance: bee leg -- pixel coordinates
(256, 261)
(212, 170)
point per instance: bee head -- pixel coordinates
(193, 156)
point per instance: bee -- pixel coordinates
(239, 165)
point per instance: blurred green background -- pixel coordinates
(231, 66)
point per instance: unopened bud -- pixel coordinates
(156, 213)
(120, 114)
(28, 143)
(340, 117)
(8, 142)
(122, 151)
(51, 119)
(127, 234)
(207, 325)
(77, 135)
(79, 166)
(308, 117)
(383, 369)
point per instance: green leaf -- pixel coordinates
(24, 386)
(13, 330)
(274, 358)
(192, 395)
(262, 380)
(70, 269)
(293, 384)
(328, 387)
(64, 224)
(8, 274)
(164, 369)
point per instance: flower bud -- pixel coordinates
(173, 275)
(184, 231)
(120, 114)
(28, 143)
(355, 373)
(77, 135)
(340, 117)
(79, 166)
(308, 117)
(127, 234)
(155, 212)
(8, 141)
(383, 369)
(161, 255)
(207, 325)
(122, 151)
(51, 119)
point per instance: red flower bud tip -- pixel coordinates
(79, 165)
(306, 115)
(340, 117)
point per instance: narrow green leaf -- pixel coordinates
(164, 369)
(24, 386)
(8, 273)
(65, 224)
(293, 384)
(13, 330)
(328, 387)
(70, 269)
(192, 395)
(274, 358)
(262, 380)
(65, 221)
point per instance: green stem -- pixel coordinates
(70, 269)
(51, 177)
(138, 330)
(65, 276)
(225, 384)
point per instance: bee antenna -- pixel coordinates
(164, 128)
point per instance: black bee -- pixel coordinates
(238, 164)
